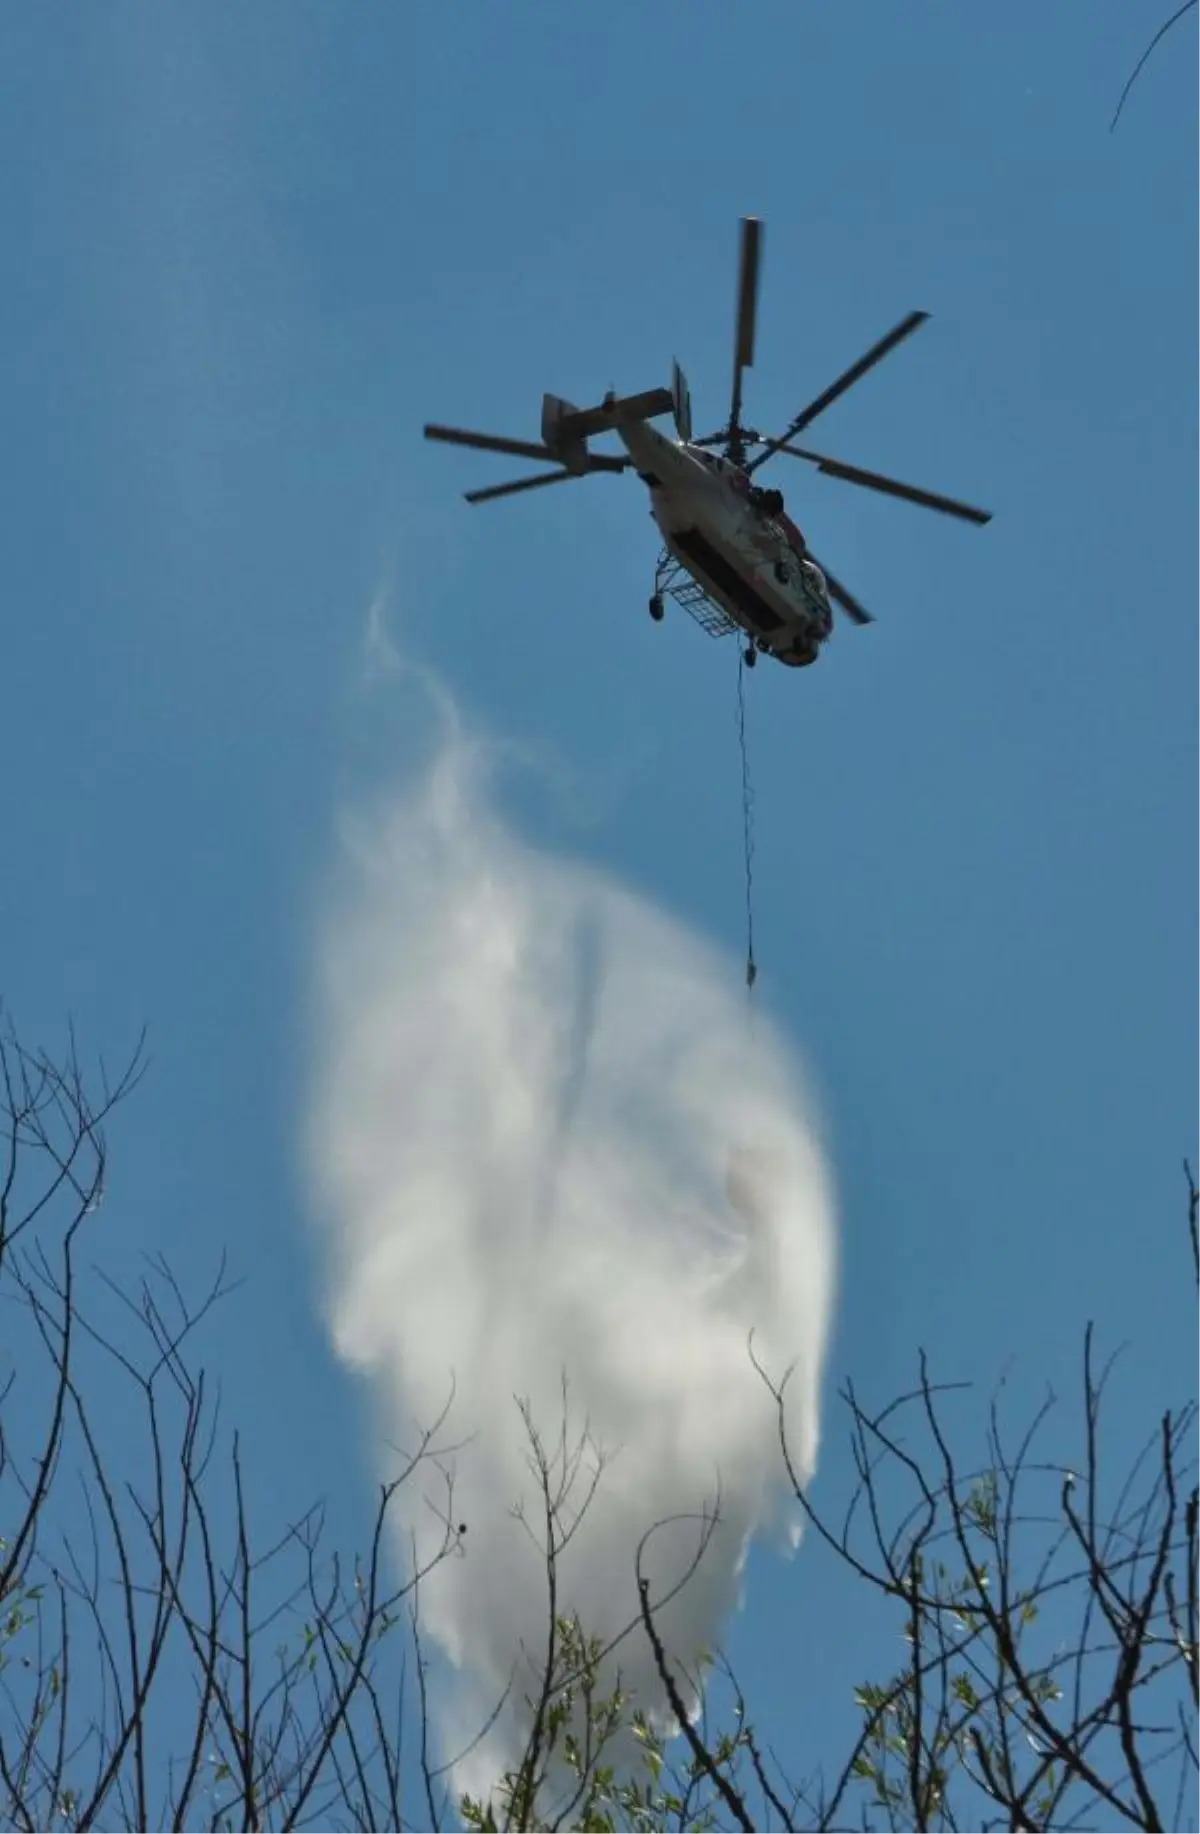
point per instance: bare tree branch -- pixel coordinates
(1144, 59)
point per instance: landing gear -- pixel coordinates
(657, 608)
(750, 656)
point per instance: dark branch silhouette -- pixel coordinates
(164, 1666)
(1144, 59)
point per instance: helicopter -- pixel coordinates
(731, 556)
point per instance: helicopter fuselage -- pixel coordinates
(748, 560)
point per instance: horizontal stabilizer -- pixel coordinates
(614, 412)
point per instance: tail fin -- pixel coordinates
(568, 446)
(681, 402)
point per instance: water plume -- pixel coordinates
(551, 1160)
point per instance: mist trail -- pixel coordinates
(544, 1149)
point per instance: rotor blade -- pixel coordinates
(747, 308)
(598, 463)
(510, 490)
(847, 380)
(489, 442)
(748, 290)
(892, 487)
(848, 603)
(749, 438)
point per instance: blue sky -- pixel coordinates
(251, 252)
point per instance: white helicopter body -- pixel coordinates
(751, 563)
